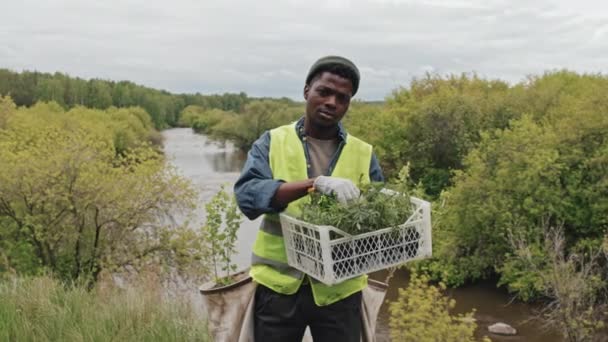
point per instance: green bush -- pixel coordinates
(519, 278)
(202, 120)
(433, 124)
(544, 169)
(80, 193)
(245, 128)
(421, 313)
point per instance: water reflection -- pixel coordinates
(491, 304)
(227, 160)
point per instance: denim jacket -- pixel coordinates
(255, 188)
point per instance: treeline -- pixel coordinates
(27, 88)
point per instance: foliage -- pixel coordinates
(362, 116)
(257, 117)
(374, 209)
(202, 120)
(421, 313)
(549, 169)
(574, 284)
(7, 108)
(73, 203)
(433, 124)
(220, 233)
(42, 309)
(517, 276)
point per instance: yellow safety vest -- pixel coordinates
(288, 162)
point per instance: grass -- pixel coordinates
(42, 309)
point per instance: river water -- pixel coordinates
(209, 166)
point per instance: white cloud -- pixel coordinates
(265, 48)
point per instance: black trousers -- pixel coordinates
(283, 318)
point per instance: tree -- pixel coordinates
(259, 116)
(436, 122)
(100, 94)
(121, 94)
(76, 92)
(76, 206)
(50, 89)
(23, 88)
(550, 169)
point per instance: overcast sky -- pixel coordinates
(265, 47)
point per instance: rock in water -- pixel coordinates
(502, 329)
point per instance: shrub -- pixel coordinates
(422, 314)
(71, 204)
(573, 284)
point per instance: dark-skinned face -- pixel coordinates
(327, 100)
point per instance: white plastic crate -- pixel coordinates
(331, 255)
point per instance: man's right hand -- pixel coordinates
(344, 189)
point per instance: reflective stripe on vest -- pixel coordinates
(288, 162)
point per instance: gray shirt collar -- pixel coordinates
(301, 134)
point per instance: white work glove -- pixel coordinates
(344, 189)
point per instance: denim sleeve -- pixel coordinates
(375, 172)
(255, 187)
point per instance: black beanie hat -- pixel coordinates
(328, 61)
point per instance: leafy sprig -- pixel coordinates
(375, 208)
(220, 232)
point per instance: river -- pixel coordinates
(209, 166)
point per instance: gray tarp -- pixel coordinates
(230, 310)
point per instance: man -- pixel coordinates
(283, 166)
